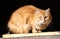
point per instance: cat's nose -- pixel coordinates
(42, 21)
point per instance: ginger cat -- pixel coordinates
(29, 17)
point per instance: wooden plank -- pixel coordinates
(30, 34)
(36, 37)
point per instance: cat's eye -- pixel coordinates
(45, 16)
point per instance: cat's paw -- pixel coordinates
(39, 31)
(34, 31)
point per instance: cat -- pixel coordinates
(28, 18)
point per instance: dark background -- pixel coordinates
(8, 6)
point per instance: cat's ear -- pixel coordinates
(37, 11)
(48, 10)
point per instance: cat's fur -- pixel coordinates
(29, 17)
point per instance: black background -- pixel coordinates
(8, 6)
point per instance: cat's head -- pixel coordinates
(43, 17)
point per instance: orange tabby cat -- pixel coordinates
(29, 17)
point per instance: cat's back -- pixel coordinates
(26, 9)
(23, 13)
(29, 7)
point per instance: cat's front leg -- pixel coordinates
(34, 29)
(26, 28)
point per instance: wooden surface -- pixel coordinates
(32, 34)
(36, 37)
